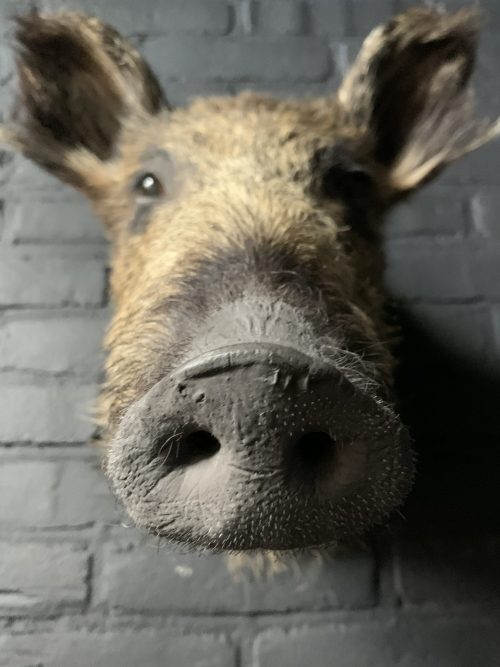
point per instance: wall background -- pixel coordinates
(76, 588)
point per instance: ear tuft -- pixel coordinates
(78, 80)
(61, 72)
(409, 94)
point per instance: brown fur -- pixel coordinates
(90, 110)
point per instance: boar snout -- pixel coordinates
(232, 397)
(256, 445)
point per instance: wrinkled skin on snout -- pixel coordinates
(247, 402)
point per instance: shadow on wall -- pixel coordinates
(450, 400)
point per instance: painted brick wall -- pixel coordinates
(79, 589)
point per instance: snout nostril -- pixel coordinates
(197, 446)
(314, 448)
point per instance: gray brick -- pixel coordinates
(491, 13)
(198, 584)
(51, 221)
(480, 167)
(363, 19)
(7, 158)
(440, 211)
(83, 496)
(281, 17)
(156, 16)
(36, 279)
(38, 578)
(7, 97)
(412, 642)
(295, 58)
(328, 18)
(148, 648)
(2, 220)
(70, 344)
(485, 260)
(22, 176)
(46, 494)
(429, 270)
(450, 571)
(486, 76)
(485, 210)
(489, 9)
(344, 53)
(6, 63)
(46, 414)
(8, 9)
(26, 492)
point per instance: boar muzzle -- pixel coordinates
(257, 445)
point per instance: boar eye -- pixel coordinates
(352, 185)
(342, 178)
(149, 186)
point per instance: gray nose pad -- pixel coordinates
(258, 446)
(266, 407)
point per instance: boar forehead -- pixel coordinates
(235, 125)
(279, 137)
(234, 169)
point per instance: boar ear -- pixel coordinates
(79, 79)
(409, 97)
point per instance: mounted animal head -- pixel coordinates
(247, 401)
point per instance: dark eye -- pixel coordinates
(341, 178)
(149, 186)
(352, 185)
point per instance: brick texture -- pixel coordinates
(410, 641)
(53, 412)
(279, 17)
(51, 493)
(198, 17)
(51, 221)
(78, 586)
(38, 578)
(484, 205)
(206, 584)
(35, 279)
(241, 59)
(116, 649)
(53, 344)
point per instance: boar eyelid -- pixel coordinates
(156, 170)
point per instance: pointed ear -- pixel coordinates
(79, 80)
(408, 95)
